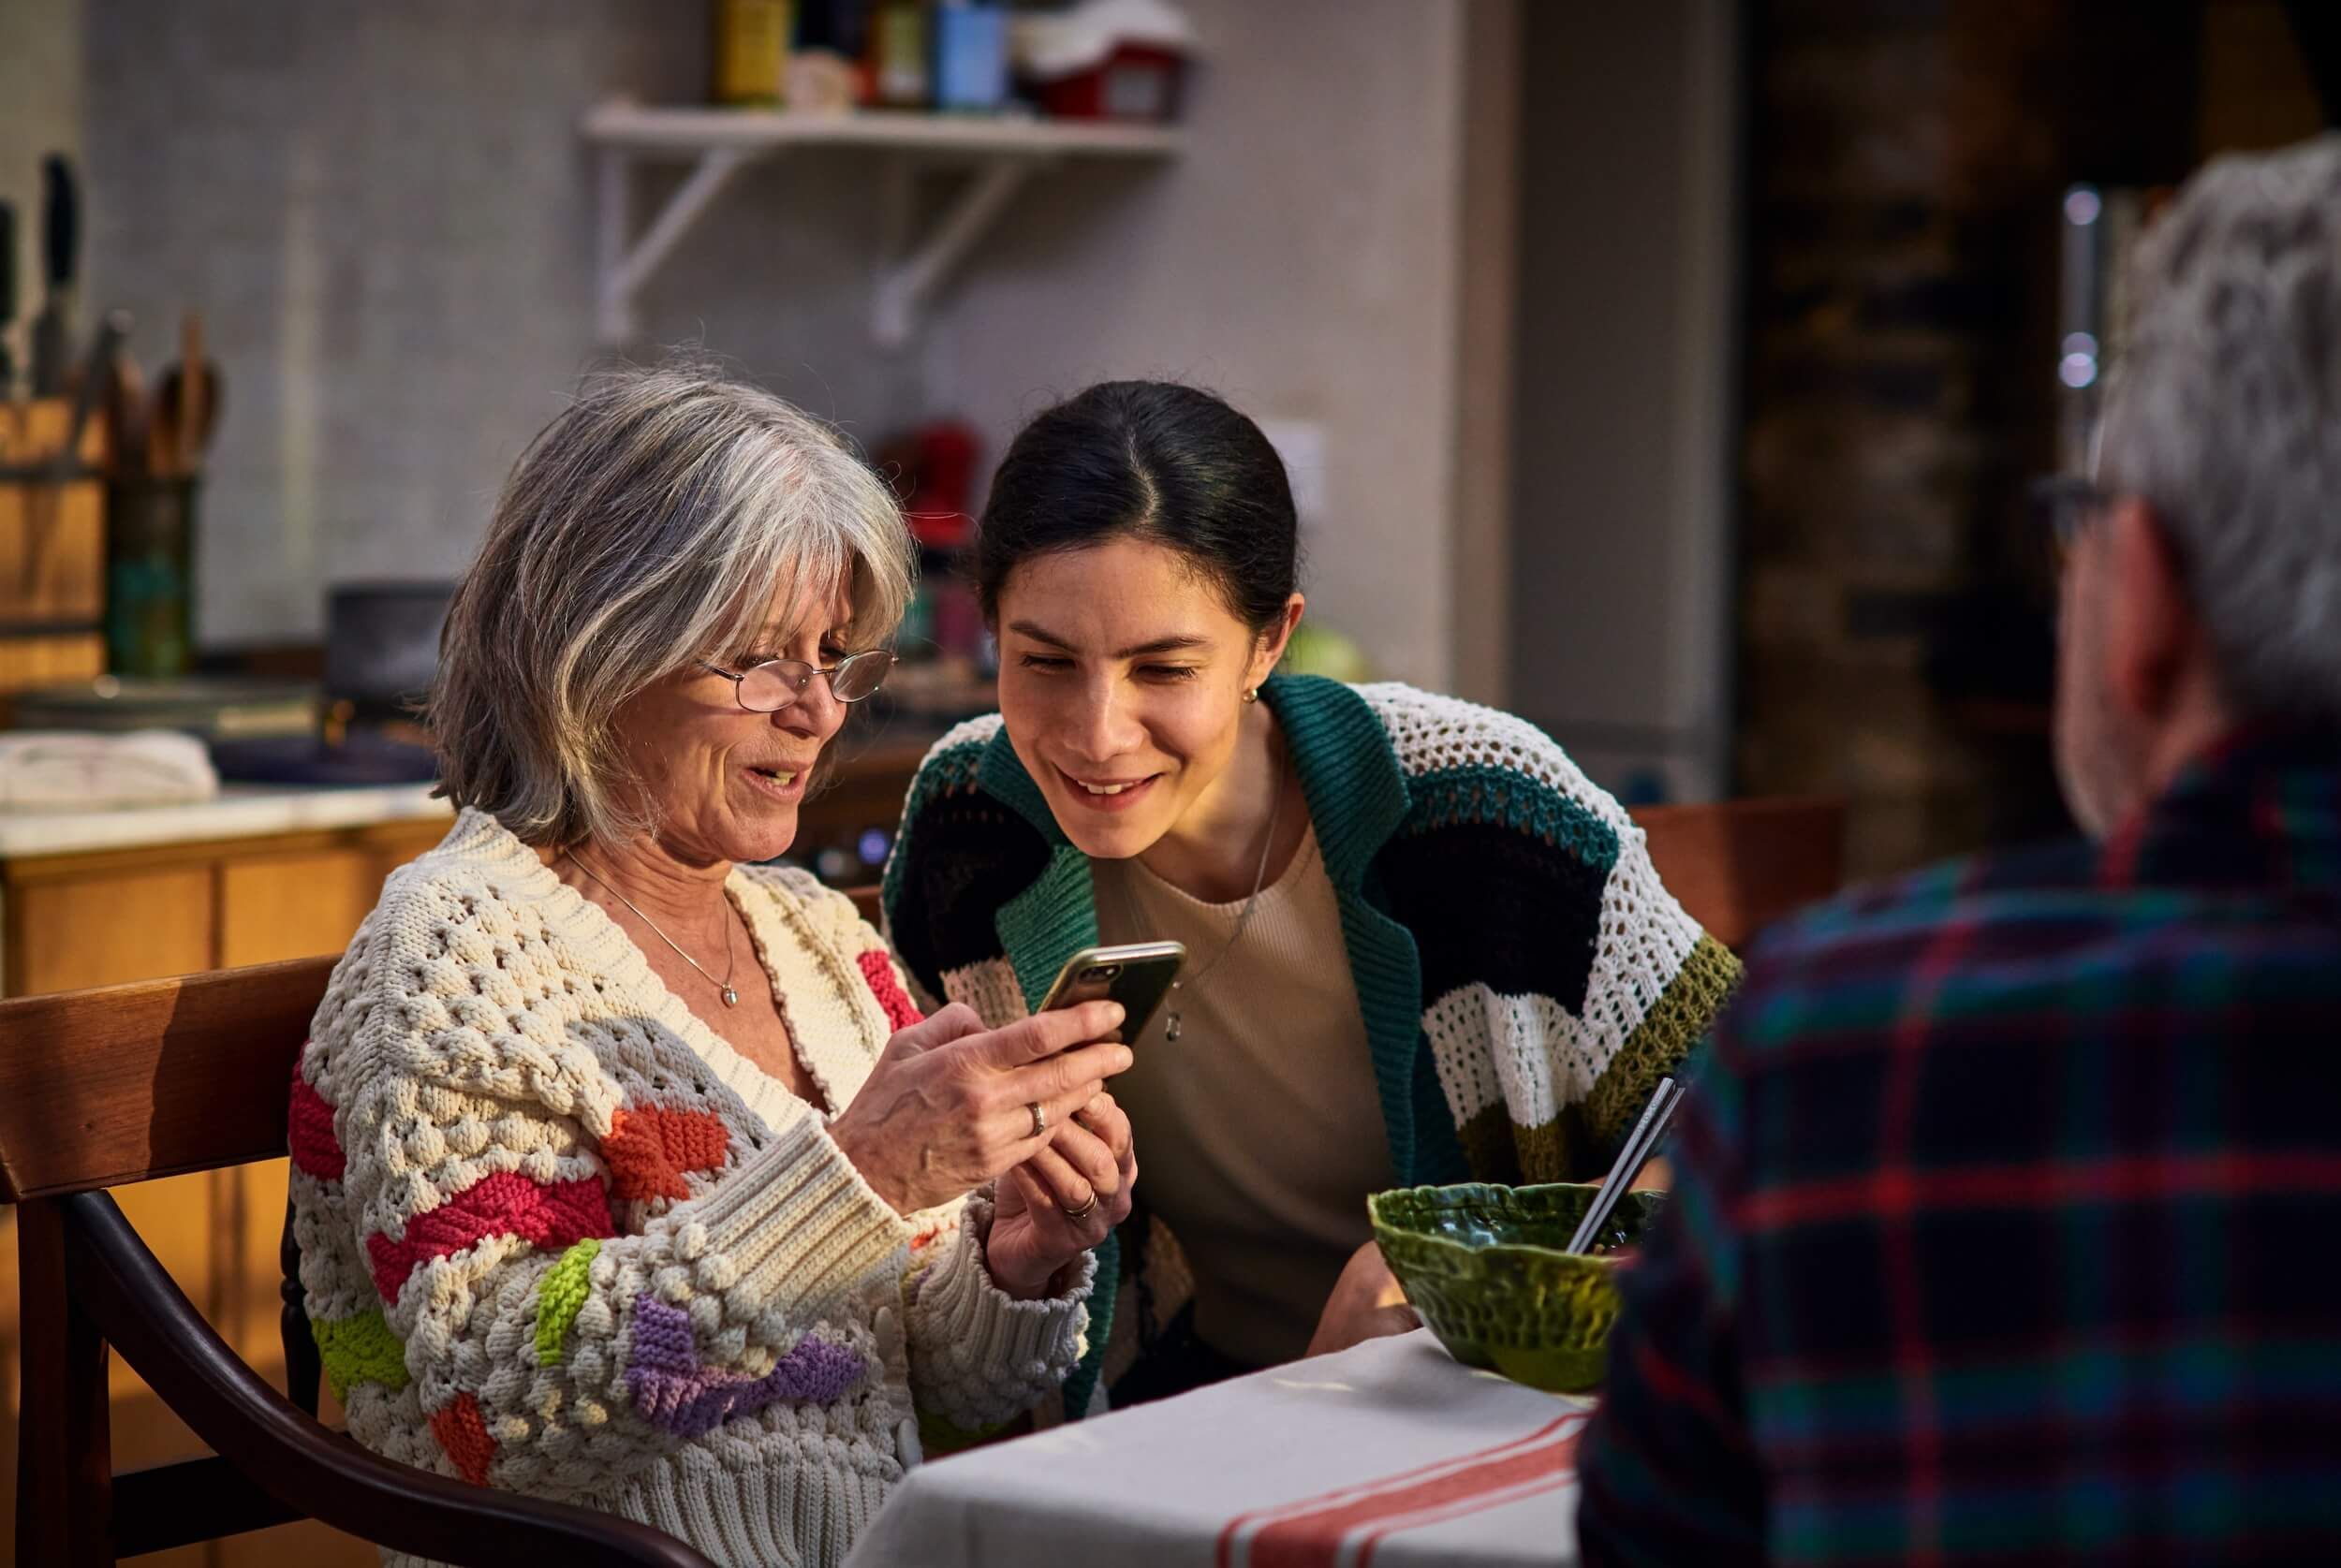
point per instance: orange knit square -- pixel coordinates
(650, 1147)
(465, 1436)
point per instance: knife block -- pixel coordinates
(53, 549)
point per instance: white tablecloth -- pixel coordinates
(1389, 1454)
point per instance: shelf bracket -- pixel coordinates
(623, 268)
(908, 277)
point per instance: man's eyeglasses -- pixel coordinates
(2065, 503)
(778, 684)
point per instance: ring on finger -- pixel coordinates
(1084, 1210)
(1040, 1118)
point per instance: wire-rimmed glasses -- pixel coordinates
(2065, 503)
(778, 684)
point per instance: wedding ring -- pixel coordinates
(1082, 1212)
(1040, 1118)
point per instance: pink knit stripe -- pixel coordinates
(878, 970)
(544, 1214)
(309, 1128)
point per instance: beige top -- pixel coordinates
(1259, 1129)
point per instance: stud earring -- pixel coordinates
(1252, 696)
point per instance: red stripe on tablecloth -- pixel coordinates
(1308, 1533)
(1551, 1480)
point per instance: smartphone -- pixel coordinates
(1138, 975)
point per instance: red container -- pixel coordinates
(1137, 81)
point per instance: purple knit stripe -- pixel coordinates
(672, 1390)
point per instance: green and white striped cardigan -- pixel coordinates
(1523, 979)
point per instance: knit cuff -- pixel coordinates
(796, 1222)
(1035, 1342)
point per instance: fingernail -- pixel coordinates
(1115, 1013)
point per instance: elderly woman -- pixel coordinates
(625, 1172)
(1425, 947)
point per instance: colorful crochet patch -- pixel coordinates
(671, 1389)
(650, 1147)
(554, 1214)
(561, 1297)
(309, 1129)
(878, 970)
(359, 1349)
(465, 1436)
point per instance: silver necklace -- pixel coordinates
(1174, 1019)
(731, 953)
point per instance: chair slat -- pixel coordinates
(195, 1499)
(124, 1083)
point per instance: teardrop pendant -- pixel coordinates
(732, 998)
(1171, 1027)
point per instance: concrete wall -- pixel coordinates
(1301, 261)
(385, 215)
(40, 113)
(1621, 541)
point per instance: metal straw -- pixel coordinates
(1630, 1158)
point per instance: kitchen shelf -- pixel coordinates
(1000, 153)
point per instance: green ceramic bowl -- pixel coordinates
(1484, 1266)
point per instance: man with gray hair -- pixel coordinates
(2007, 1204)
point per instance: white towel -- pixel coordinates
(57, 769)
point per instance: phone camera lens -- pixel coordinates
(1101, 971)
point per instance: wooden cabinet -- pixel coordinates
(108, 926)
(105, 916)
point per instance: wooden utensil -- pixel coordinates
(123, 410)
(186, 405)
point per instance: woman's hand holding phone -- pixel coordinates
(1062, 1201)
(948, 1106)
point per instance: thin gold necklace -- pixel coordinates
(1174, 1017)
(731, 951)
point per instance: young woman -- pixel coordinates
(1421, 947)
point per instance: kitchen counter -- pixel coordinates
(238, 810)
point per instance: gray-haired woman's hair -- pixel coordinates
(651, 523)
(2225, 413)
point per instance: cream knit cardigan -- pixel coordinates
(557, 1237)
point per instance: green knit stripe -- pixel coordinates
(1001, 775)
(1356, 797)
(946, 772)
(1348, 769)
(1660, 1043)
(359, 1349)
(561, 1296)
(1501, 1150)
(1049, 921)
(1498, 796)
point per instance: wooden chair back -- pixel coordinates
(106, 1087)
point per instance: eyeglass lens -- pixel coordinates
(770, 687)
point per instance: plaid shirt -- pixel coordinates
(2007, 1214)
